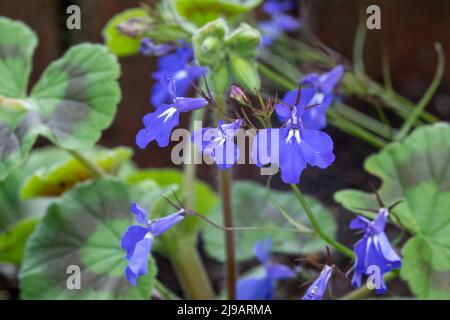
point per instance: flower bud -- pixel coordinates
(238, 94)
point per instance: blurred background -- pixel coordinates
(408, 31)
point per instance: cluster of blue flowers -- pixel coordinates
(298, 140)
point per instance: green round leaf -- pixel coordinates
(12, 208)
(253, 208)
(84, 228)
(416, 171)
(17, 44)
(77, 96)
(12, 242)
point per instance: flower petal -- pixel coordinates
(329, 80)
(160, 226)
(188, 104)
(359, 223)
(141, 215)
(138, 262)
(131, 237)
(254, 289)
(320, 150)
(279, 271)
(319, 286)
(263, 251)
(291, 160)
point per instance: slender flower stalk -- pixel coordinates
(316, 225)
(225, 182)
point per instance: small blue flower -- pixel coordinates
(149, 48)
(160, 123)
(279, 22)
(373, 249)
(218, 143)
(178, 66)
(293, 146)
(317, 91)
(262, 288)
(137, 240)
(319, 286)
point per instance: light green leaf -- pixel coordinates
(84, 228)
(74, 100)
(416, 171)
(120, 44)
(57, 179)
(12, 208)
(77, 95)
(12, 242)
(202, 11)
(253, 208)
(17, 44)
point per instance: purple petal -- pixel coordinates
(317, 289)
(263, 251)
(254, 289)
(158, 126)
(226, 154)
(160, 226)
(317, 148)
(330, 79)
(380, 220)
(130, 275)
(360, 256)
(188, 104)
(291, 160)
(392, 258)
(265, 147)
(172, 89)
(138, 262)
(279, 272)
(131, 237)
(141, 215)
(359, 223)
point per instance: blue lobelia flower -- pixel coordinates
(279, 22)
(293, 146)
(262, 288)
(149, 48)
(318, 91)
(319, 286)
(137, 240)
(374, 250)
(218, 143)
(178, 66)
(160, 123)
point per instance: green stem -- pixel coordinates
(225, 181)
(363, 291)
(288, 217)
(190, 271)
(316, 225)
(366, 121)
(354, 130)
(93, 168)
(189, 169)
(164, 291)
(406, 127)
